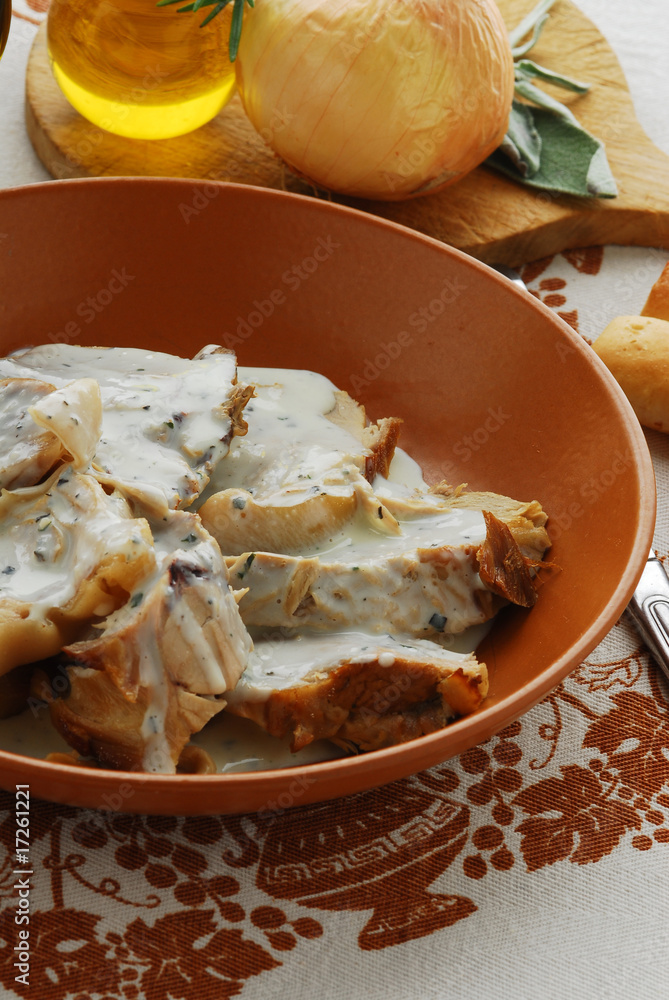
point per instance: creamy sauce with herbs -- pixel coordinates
(236, 745)
(163, 423)
(31, 734)
(54, 535)
(360, 543)
(290, 447)
(160, 448)
(281, 661)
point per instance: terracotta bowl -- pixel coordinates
(493, 389)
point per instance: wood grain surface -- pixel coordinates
(487, 215)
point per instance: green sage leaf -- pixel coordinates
(530, 22)
(518, 51)
(531, 93)
(522, 142)
(526, 69)
(571, 160)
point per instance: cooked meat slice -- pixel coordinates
(354, 688)
(68, 553)
(301, 471)
(379, 439)
(41, 426)
(526, 521)
(27, 451)
(100, 722)
(166, 421)
(502, 566)
(274, 586)
(239, 523)
(421, 592)
(74, 415)
(288, 521)
(424, 581)
(179, 634)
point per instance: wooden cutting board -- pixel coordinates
(485, 214)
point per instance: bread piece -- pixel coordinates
(354, 688)
(635, 349)
(657, 303)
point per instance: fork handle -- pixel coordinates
(649, 607)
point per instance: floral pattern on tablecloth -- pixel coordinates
(164, 907)
(32, 11)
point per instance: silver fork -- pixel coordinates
(649, 609)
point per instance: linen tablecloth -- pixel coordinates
(538, 860)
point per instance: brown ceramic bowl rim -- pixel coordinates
(217, 793)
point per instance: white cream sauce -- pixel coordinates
(161, 449)
(152, 676)
(27, 451)
(290, 444)
(54, 535)
(31, 734)
(404, 476)
(281, 659)
(164, 423)
(360, 543)
(237, 745)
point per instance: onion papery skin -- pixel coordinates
(381, 99)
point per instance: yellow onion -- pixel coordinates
(379, 99)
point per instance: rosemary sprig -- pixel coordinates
(218, 5)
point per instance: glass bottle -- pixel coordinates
(5, 21)
(139, 70)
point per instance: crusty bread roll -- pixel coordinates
(635, 349)
(657, 303)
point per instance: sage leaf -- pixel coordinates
(522, 142)
(526, 69)
(527, 90)
(530, 22)
(518, 51)
(600, 178)
(571, 160)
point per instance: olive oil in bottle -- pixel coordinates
(139, 70)
(5, 21)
